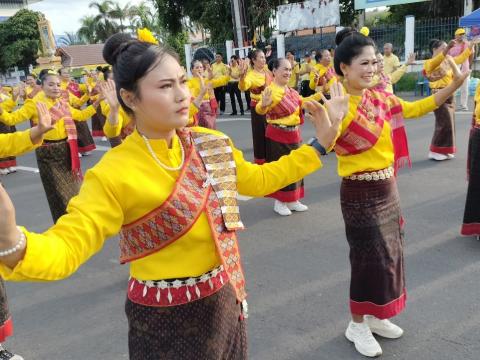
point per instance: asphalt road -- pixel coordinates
(297, 270)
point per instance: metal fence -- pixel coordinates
(390, 33)
(302, 44)
(428, 29)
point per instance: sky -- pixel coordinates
(65, 15)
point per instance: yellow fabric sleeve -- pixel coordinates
(397, 74)
(16, 144)
(77, 102)
(83, 115)
(8, 105)
(26, 112)
(418, 108)
(123, 120)
(460, 59)
(116, 192)
(431, 64)
(220, 81)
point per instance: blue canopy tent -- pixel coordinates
(472, 19)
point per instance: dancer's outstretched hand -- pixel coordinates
(44, 123)
(326, 131)
(337, 106)
(110, 95)
(267, 97)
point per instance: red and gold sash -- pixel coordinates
(383, 82)
(206, 184)
(61, 110)
(362, 134)
(36, 89)
(74, 89)
(290, 102)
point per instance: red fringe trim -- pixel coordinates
(87, 148)
(7, 163)
(470, 229)
(386, 311)
(98, 133)
(6, 330)
(288, 196)
(283, 136)
(443, 150)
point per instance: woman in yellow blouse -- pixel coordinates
(7, 103)
(255, 78)
(439, 73)
(322, 75)
(57, 159)
(293, 81)
(370, 148)
(471, 215)
(78, 95)
(13, 145)
(282, 106)
(207, 114)
(383, 81)
(171, 191)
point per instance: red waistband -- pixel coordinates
(177, 292)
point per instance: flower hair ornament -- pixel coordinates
(146, 35)
(365, 31)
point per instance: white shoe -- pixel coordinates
(383, 328)
(4, 172)
(281, 208)
(86, 153)
(12, 169)
(450, 156)
(436, 156)
(297, 206)
(104, 138)
(7, 355)
(361, 335)
(79, 155)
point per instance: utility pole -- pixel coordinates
(239, 22)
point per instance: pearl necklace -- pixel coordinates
(149, 147)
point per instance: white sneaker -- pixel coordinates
(450, 156)
(383, 328)
(7, 355)
(361, 335)
(436, 156)
(86, 153)
(281, 208)
(297, 206)
(12, 169)
(4, 172)
(104, 138)
(79, 155)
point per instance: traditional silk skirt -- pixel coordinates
(373, 225)
(443, 141)
(11, 160)
(60, 184)
(85, 139)
(6, 325)
(471, 217)
(281, 141)
(259, 126)
(98, 120)
(209, 328)
(206, 117)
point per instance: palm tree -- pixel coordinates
(88, 30)
(69, 39)
(122, 14)
(104, 24)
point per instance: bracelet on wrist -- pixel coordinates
(313, 142)
(21, 241)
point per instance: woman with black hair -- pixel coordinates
(171, 191)
(370, 148)
(254, 77)
(57, 158)
(322, 75)
(438, 70)
(282, 107)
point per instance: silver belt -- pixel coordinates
(374, 175)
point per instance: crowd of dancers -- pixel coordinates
(170, 181)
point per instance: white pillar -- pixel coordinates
(188, 58)
(238, 23)
(409, 35)
(229, 47)
(467, 7)
(280, 46)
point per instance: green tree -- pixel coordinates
(19, 40)
(69, 39)
(105, 26)
(88, 30)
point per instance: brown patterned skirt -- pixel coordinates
(471, 216)
(373, 225)
(206, 117)
(11, 160)
(204, 329)
(85, 139)
(98, 120)
(259, 127)
(443, 140)
(54, 164)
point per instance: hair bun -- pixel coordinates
(113, 46)
(342, 34)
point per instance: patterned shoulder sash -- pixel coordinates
(290, 102)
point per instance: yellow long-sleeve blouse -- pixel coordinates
(123, 121)
(194, 85)
(293, 81)
(477, 105)
(252, 80)
(16, 144)
(394, 77)
(321, 70)
(277, 94)
(29, 112)
(7, 104)
(433, 64)
(125, 185)
(381, 155)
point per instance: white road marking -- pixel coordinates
(220, 120)
(243, 197)
(27, 168)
